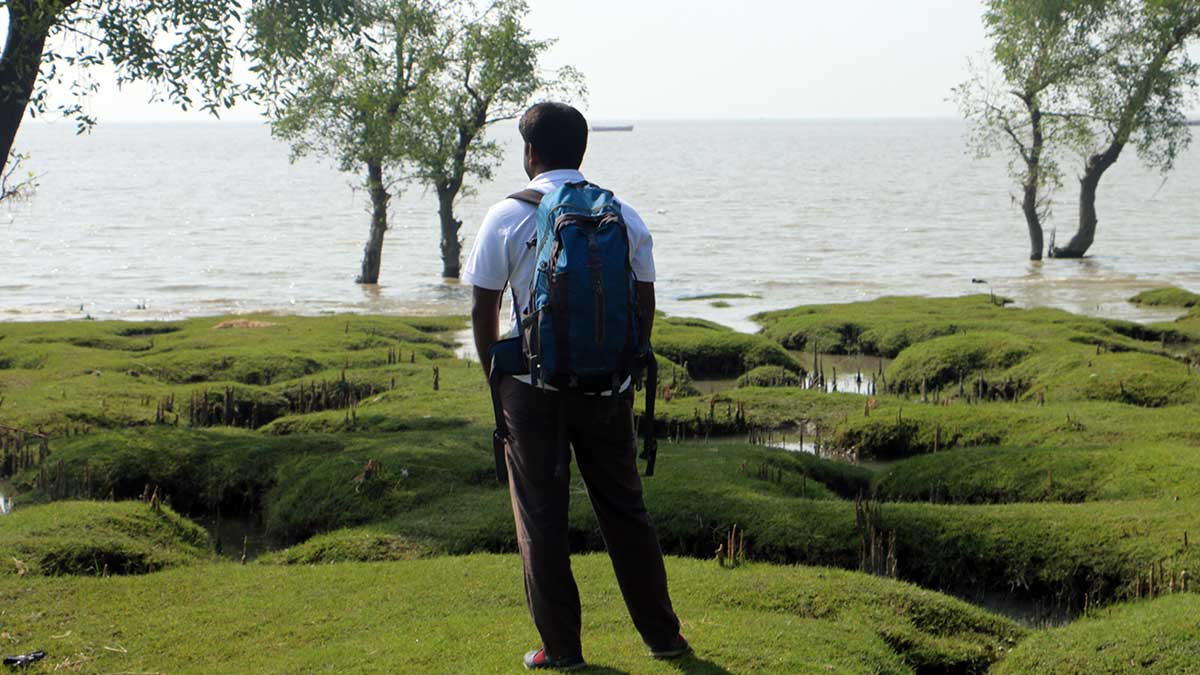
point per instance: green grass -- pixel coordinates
(888, 326)
(1011, 475)
(709, 350)
(770, 376)
(83, 374)
(453, 615)
(1160, 637)
(92, 538)
(1167, 297)
(1117, 432)
(942, 361)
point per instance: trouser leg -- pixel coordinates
(606, 450)
(539, 502)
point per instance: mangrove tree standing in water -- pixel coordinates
(401, 90)
(1137, 93)
(346, 93)
(1038, 47)
(490, 75)
(1089, 76)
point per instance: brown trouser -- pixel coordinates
(600, 429)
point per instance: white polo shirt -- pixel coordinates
(502, 256)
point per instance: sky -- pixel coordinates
(716, 59)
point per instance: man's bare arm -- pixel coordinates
(485, 324)
(645, 301)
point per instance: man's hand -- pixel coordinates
(485, 324)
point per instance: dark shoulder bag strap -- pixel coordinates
(500, 435)
(530, 196)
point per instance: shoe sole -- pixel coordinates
(577, 666)
(673, 654)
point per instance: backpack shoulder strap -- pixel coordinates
(530, 196)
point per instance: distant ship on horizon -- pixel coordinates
(612, 127)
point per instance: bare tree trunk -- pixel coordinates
(451, 244)
(1033, 219)
(1029, 205)
(373, 252)
(28, 26)
(1088, 220)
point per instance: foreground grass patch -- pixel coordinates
(93, 538)
(1160, 637)
(456, 615)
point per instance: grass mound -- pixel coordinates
(888, 326)
(1159, 637)
(1167, 297)
(350, 545)
(91, 538)
(770, 376)
(1011, 475)
(408, 616)
(64, 376)
(710, 350)
(946, 361)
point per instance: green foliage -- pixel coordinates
(93, 538)
(1140, 90)
(490, 74)
(344, 94)
(755, 619)
(1038, 48)
(403, 89)
(1157, 637)
(184, 48)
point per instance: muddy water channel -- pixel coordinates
(238, 536)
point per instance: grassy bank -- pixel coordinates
(1032, 453)
(96, 538)
(468, 615)
(1161, 637)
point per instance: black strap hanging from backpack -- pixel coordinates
(650, 450)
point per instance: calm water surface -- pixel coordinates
(207, 218)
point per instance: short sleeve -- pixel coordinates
(488, 266)
(642, 242)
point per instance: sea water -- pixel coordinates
(154, 221)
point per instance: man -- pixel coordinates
(599, 427)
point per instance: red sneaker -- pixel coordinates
(673, 650)
(539, 659)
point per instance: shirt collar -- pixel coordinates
(556, 178)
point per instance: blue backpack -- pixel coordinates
(580, 332)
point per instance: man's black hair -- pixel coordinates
(559, 134)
